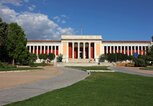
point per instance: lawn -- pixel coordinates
(147, 68)
(17, 69)
(99, 89)
(90, 67)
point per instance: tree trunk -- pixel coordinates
(13, 62)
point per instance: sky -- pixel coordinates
(112, 19)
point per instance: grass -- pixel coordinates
(90, 67)
(147, 68)
(99, 89)
(17, 69)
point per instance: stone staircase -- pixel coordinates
(82, 61)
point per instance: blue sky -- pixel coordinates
(113, 19)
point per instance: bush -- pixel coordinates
(140, 62)
(60, 58)
(114, 57)
(102, 58)
(51, 56)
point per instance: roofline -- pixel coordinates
(44, 41)
(125, 41)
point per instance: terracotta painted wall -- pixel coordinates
(65, 49)
(97, 49)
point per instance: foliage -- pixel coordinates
(40, 56)
(149, 56)
(51, 56)
(140, 62)
(114, 57)
(102, 58)
(16, 43)
(3, 38)
(45, 56)
(33, 57)
(60, 58)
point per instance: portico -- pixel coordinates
(81, 47)
(81, 50)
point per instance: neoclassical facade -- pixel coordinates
(85, 48)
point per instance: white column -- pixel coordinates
(106, 49)
(48, 50)
(95, 51)
(37, 50)
(145, 50)
(72, 50)
(120, 49)
(29, 49)
(67, 52)
(141, 50)
(51, 49)
(113, 49)
(84, 50)
(134, 49)
(40, 49)
(131, 50)
(124, 49)
(78, 50)
(33, 49)
(44, 49)
(55, 50)
(110, 49)
(128, 50)
(138, 50)
(89, 50)
(117, 49)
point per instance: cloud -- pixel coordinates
(60, 19)
(13, 2)
(35, 25)
(32, 7)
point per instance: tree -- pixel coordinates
(16, 42)
(3, 38)
(149, 55)
(51, 56)
(33, 57)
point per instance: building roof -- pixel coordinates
(126, 41)
(44, 41)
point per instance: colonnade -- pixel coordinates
(129, 50)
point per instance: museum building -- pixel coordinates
(82, 48)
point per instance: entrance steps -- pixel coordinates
(82, 61)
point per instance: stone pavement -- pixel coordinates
(66, 77)
(133, 70)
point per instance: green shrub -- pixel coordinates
(60, 58)
(51, 56)
(102, 58)
(140, 62)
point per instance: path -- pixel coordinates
(66, 77)
(133, 70)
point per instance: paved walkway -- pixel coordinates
(133, 70)
(66, 77)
